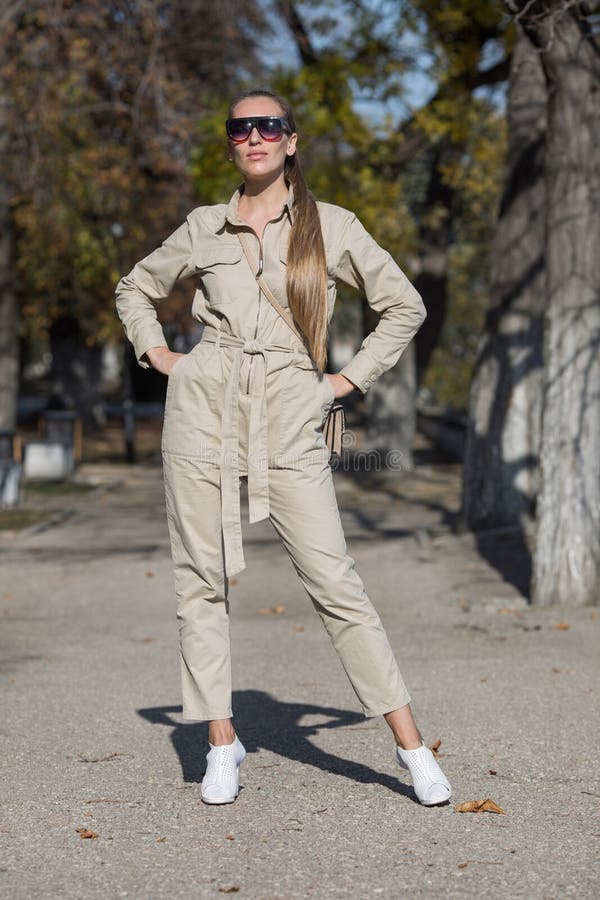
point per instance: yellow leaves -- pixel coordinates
(486, 805)
(561, 626)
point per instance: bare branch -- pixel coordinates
(290, 14)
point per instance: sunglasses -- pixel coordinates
(270, 128)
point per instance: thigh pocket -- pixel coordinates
(304, 400)
(192, 412)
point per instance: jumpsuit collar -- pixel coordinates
(231, 211)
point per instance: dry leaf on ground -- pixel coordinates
(271, 610)
(229, 890)
(86, 834)
(109, 756)
(486, 805)
(561, 626)
(435, 747)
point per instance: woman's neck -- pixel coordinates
(263, 198)
(260, 204)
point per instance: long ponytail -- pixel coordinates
(306, 276)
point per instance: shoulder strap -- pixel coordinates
(284, 313)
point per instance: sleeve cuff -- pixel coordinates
(150, 337)
(360, 371)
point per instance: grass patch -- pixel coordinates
(17, 519)
(57, 488)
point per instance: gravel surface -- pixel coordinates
(93, 738)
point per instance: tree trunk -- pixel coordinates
(501, 456)
(76, 372)
(391, 418)
(434, 240)
(9, 311)
(390, 404)
(567, 556)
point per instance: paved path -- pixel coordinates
(92, 736)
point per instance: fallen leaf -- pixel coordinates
(555, 669)
(271, 610)
(97, 759)
(85, 833)
(483, 678)
(486, 805)
(233, 581)
(492, 771)
(298, 627)
(160, 840)
(561, 626)
(463, 865)
(149, 574)
(147, 640)
(230, 837)
(465, 605)
(435, 747)
(229, 890)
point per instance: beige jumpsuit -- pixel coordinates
(248, 401)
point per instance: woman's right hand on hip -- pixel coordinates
(162, 359)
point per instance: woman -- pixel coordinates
(249, 401)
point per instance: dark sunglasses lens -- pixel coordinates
(239, 129)
(270, 129)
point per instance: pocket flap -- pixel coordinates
(214, 252)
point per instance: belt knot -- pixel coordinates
(252, 346)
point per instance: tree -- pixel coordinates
(567, 553)
(500, 467)
(9, 310)
(100, 101)
(423, 187)
(463, 140)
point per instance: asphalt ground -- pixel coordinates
(93, 738)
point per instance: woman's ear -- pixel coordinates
(292, 141)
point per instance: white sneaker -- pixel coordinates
(429, 782)
(221, 780)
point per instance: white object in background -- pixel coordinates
(47, 460)
(10, 483)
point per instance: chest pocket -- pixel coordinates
(218, 265)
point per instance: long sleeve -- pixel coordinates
(365, 265)
(150, 281)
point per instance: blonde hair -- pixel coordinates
(306, 276)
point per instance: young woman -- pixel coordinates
(249, 402)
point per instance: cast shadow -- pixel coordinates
(263, 722)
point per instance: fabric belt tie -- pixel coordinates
(258, 474)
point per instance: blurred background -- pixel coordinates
(463, 134)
